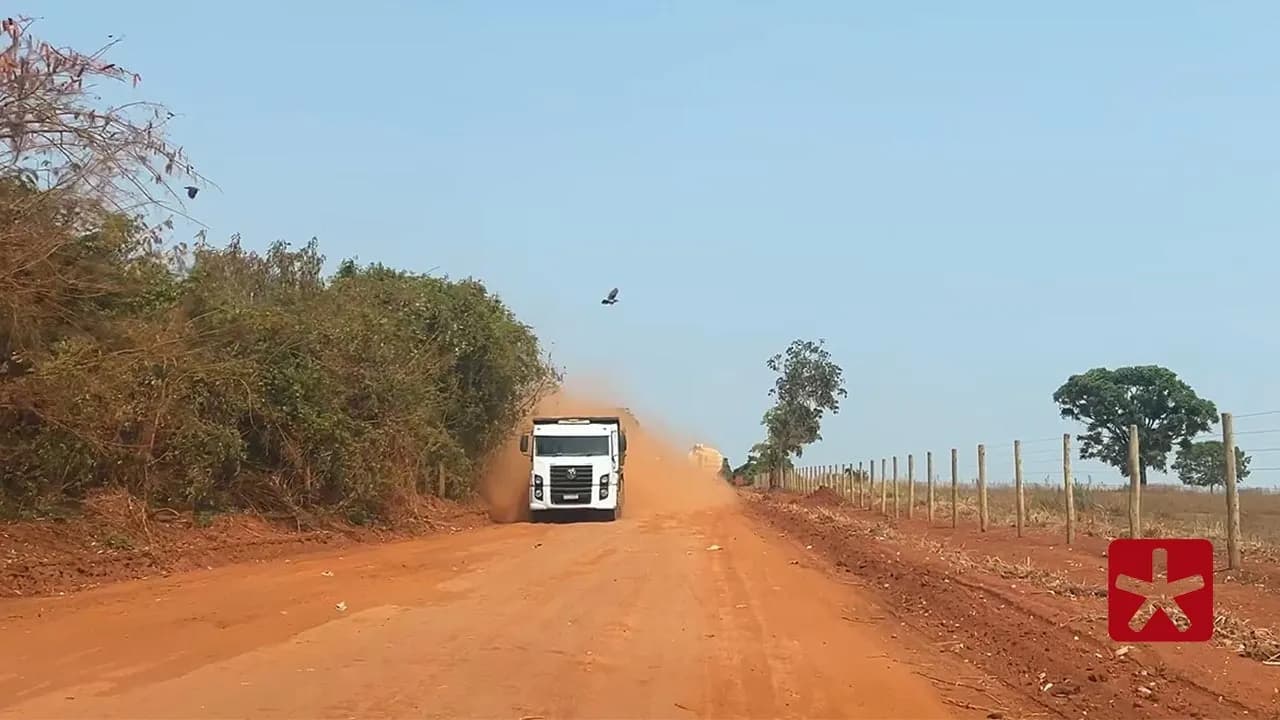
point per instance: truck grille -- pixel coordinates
(567, 490)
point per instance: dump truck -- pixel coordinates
(576, 464)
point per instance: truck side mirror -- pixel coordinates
(524, 444)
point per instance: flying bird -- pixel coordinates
(612, 298)
(191, 191)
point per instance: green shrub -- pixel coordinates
(236, 379)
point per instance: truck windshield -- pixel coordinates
(561, 446)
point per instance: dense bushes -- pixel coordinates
(211, 377)
(220, 377)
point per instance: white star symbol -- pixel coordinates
(1159, 593)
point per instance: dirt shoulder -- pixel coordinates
(1031, 614)
(115, 538)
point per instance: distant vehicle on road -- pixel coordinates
(705, 457)
(576, 464)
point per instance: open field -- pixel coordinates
(1101, 510)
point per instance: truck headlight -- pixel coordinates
(604, 486)
(537, 487)
(537, 481)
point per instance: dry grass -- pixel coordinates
(1172, 510)
(1167, 510)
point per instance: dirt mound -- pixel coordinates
(824, 497)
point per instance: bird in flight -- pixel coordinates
(612, 298)
(191, 191)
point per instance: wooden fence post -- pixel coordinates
(1135, 484)
(884, 487)
(895, 487)
(982, 488)
(928, 461)
(955, 489)
(1233, 497)
(1068, 488)
(862, 483)
(871, 486)
(911, 485)
(1020, 500)
(439, 479)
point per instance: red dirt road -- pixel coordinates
(636, 618)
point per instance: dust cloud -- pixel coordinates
(656, 457)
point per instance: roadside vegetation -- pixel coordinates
(203, 377)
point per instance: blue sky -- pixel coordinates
(968, 203)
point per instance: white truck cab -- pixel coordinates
(576, 464)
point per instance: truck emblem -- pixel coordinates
(571, 473)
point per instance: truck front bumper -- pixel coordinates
(608, 503)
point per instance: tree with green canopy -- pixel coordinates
(1165, 409)
(809, 384)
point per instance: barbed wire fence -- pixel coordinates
(892, 488)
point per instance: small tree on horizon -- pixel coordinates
(1203, 464)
